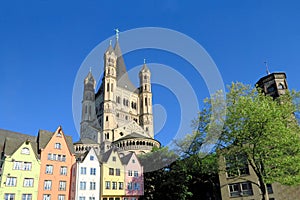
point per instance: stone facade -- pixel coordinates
(118, 114)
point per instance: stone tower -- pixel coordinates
(123, 113)
(88, 115)
(273, 84)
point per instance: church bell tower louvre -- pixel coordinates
(118, 115)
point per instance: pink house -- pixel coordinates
(134, 179)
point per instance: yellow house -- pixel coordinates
(112, 173)
(20, 169)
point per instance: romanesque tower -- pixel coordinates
(121, 114)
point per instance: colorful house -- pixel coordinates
(112, 176)
(86, 177)
(134, 179)
(20, 169)
(57, 158)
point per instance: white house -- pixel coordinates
(86, 177)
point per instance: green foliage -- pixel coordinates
(265, 131)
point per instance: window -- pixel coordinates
(129, 172)
(91, 157)
(61, 197)
(25, 150)
(9, 196)
(49, 169)
(270, 189)
(111, 171)
(81, 198)
(27, 166)
(240, 189)
(93, 171)
(28, 182)
(63, 170)
(107, 185)
(62, 185)
(129, 186)
(11, 181)
(17, 165)
(120, 185)
(92, 198)
(136, 173)
(47, 185)
(92, 185)
(114, 185)
(59, 157)
(57, 145)
(46, 197)
(83, 170)
(54, 157)
(133, 161)
(49, 156)
(82, 185)
(26, 196)
(236, 166)
(136, 186)
(63, 159)
(114, 158)
(118, 172)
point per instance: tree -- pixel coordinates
(265, 131)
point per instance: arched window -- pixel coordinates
(25, 150)
(280, 86)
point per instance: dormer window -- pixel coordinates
(57, 145)
(25, 150)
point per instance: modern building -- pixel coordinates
(20, 168)
(241, 183)
(134, 178)
(118, 114)
(57, 158)
(86, 177)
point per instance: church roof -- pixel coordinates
(133, 136)
(122, 75)
(85, 141)
(145, 68)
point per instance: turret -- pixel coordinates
(88, 115)
(146, 117)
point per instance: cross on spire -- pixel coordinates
(267, 68)
(117, 34)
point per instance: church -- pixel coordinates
(118, 115)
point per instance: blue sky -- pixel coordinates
(43, 43)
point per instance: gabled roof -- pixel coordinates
(13, 144)
(104, 157)
(44, 137)
(125, 159)
(11, 134)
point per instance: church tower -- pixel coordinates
(273, 84)
(119, 114)
(88, 115)
(146, 117)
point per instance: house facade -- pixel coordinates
(134, 178)
(57, 158)
(20, 170)
(112, 172)
(86, 177)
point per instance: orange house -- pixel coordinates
(57, 157)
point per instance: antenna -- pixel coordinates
(267, 68)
